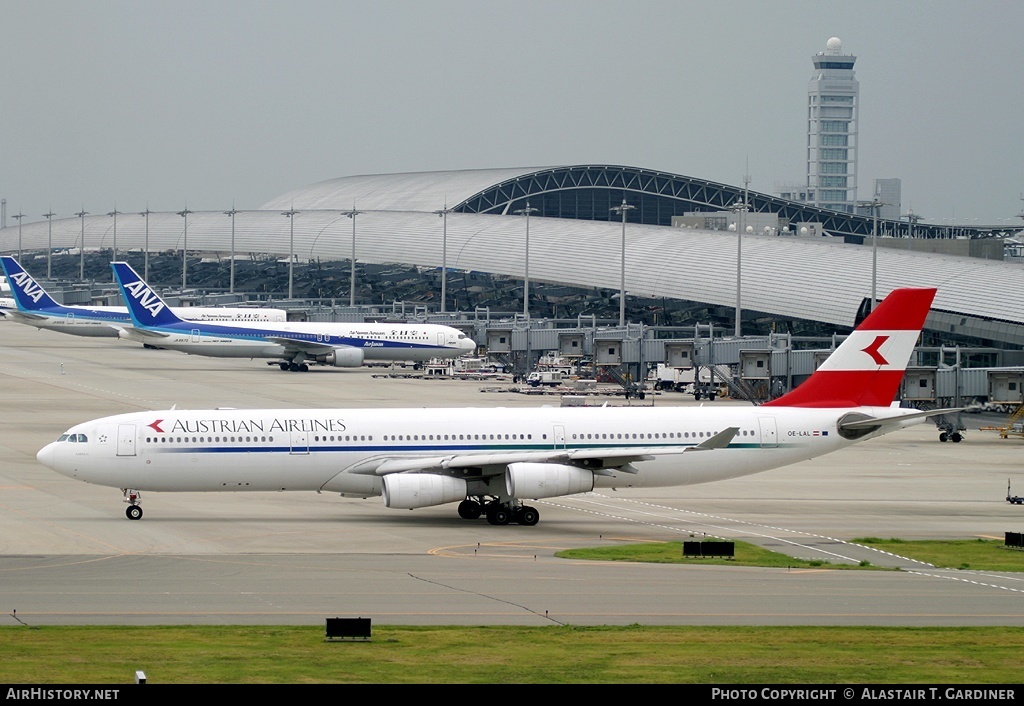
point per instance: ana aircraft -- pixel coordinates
(293, 345)
(491, 460)
(33, 306)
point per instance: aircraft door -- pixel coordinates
(195, 338)
(440, 340)
(299, 442)
(125, 439)
(559, 434)
(769, 432)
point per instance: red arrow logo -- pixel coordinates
(156, 426)
(872, 350)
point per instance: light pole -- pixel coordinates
(622, 209)
(443, 213)
(352, 277)
(526, 277)
(49, 239)
(145, 267)
(114, 215)
(81, 245)
(875, 203)
(19, 216)
(232, 212)
(184, 249)
(290, 213)
(740, 209)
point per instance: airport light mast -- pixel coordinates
(19, 216)
(352, 277)
(184, 249)
(622, 209)
(290, 213)
(81, 245)
(49, 239)
(526, 276)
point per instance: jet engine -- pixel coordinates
(411, 490)
(342, 358)
(546, 480)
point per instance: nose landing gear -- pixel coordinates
(133, 498)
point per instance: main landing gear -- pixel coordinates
(498, 513)
(134, 509)
(292, 366)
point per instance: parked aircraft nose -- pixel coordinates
(468, 344)
(46, 454)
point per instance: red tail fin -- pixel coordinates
(867, 368)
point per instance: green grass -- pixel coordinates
(975, 554)
(513, 655)
(672, 553)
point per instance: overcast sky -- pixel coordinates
(213, 103)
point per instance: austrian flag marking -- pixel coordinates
(155, 426)
(872, 350)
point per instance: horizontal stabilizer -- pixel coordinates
(897, 420)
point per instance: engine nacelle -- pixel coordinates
(546, 480)
(342, 358)
(411, 490)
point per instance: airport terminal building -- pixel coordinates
(570, 220)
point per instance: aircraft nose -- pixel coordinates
(468, 344)
(45, 455)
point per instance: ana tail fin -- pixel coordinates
(27, 293)
(867, 368)
(146, 307)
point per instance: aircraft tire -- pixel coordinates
(955, 437)
(284, 366)
(498, 515)
(527, 516)
(470, 510)
(943, 437)
(133, 512)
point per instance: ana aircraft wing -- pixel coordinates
(295, 345)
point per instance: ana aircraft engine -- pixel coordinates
(407, 491)
(546, 480)
(342, 358)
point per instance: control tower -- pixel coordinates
(833, 96)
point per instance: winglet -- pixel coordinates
(27, 293)
(146, 307)
(867, 368)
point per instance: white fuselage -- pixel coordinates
(378, 342)
(343, 450)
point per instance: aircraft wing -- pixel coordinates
(618, 457)
(297, 344)
(140, 335)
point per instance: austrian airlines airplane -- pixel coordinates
(33, 306)
(293, 344)
(491, 460)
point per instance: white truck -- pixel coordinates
(669, 378)
(553, 378)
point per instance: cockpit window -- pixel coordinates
(63, 437)
(82, 439)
